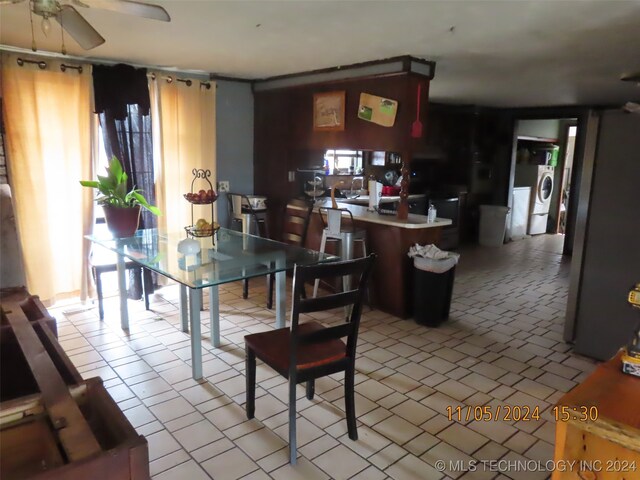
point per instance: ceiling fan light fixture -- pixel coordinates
(46, 26)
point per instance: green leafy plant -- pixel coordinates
(113, 189)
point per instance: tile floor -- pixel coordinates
(501, 346)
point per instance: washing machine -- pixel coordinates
(540, 179)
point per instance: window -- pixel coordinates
(344, 162)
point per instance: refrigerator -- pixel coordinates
(609, 264)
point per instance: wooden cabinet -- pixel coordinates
(599, 427)
(54, 424)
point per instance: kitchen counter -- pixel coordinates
(364, 199)
(362, 214)
(390, 239)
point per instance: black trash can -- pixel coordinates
(432, 295)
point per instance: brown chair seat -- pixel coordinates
(273, 348)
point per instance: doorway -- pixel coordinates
(542, 162)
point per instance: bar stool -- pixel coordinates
(347, 235)
(241, 211)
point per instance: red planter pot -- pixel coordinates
(122, 222)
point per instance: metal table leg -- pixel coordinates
(214, 315)
(281, 299)
(184, 311)
(122, 287)
(346, 253)
(196, 337)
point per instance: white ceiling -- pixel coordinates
(493, 53)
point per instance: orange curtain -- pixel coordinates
(184, 137)
(47, 113)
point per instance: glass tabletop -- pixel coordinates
(226, 257)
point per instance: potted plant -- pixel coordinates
(121, 207)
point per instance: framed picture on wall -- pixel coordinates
(328, 111)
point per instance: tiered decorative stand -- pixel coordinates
(199, 198)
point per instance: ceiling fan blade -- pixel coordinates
(9, 2)
(81, 30)
(128, 7)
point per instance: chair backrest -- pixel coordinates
(236, 205)
(332, 220)
(239, 204)
(360, 271)
(296, 221)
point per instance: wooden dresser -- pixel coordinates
(605, 448)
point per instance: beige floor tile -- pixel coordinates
(303, 470)
(387, 456)
(260, 443)
(533, 388)
(212, 449)
(451, 456)
(411, 467)
(318, 446)
(463, 438)
(373, 390)
(307, 431)
(520, 442)
(323, 414)
(160, 444)
(421, 443)
(456, 390)
(369, 442)
(139, 415)
(397, 429)
(190, 470)
(230, 465)
(150, 388)
(171, 409)
(227, 416)
(167, 462)
(414, 412)
(197, 435)
(340, 463)
(370, 473)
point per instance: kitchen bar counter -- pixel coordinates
(390, 239)
(364, 199)
(362, 214)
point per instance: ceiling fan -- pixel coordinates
(75, 25)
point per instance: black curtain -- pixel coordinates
(122, 102)
(129, 139)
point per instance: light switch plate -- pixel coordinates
(223, 186)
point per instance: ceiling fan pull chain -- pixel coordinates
(33, 38)
(63, 49)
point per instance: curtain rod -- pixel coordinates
(187, 81)
(42, 64)
(100, 61)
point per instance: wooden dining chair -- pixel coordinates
(297, 214)
(309, 350)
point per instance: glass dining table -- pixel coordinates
(226, 257)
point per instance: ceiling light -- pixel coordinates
(46, 26)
